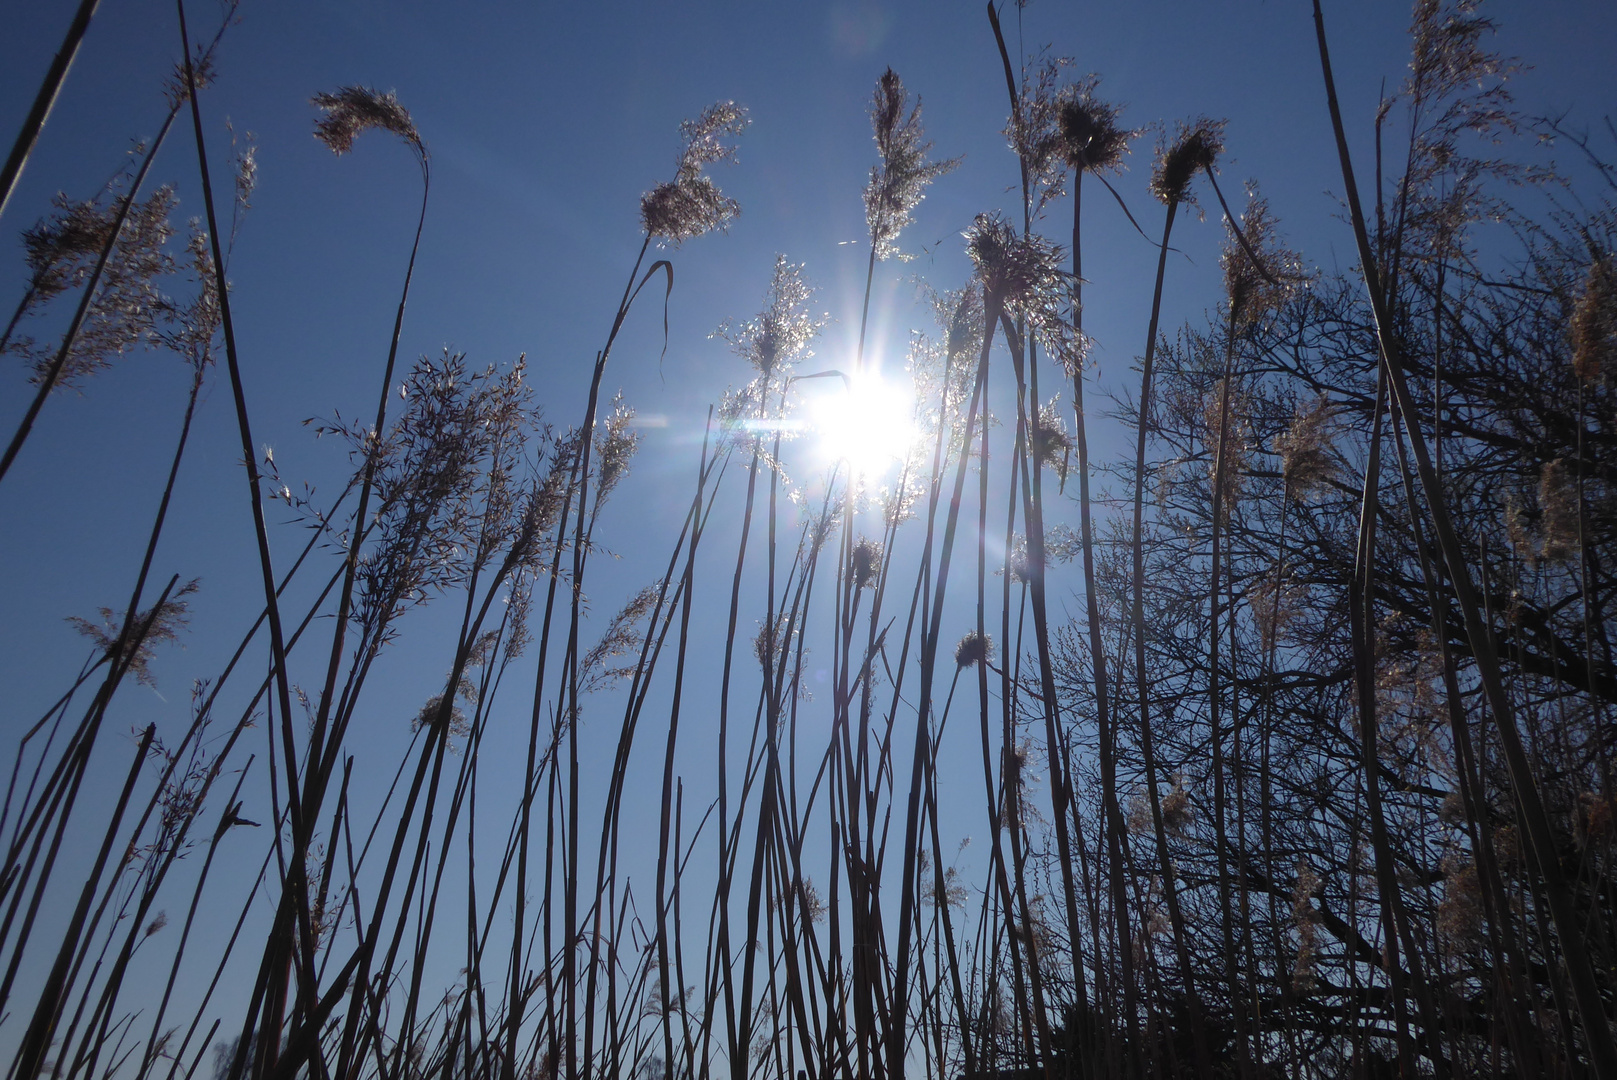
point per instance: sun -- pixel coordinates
(867, 422)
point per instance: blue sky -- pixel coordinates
(546, 123)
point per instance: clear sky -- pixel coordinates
(546, 122)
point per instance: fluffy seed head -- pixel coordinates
(353, 109)
(691, 204)
(177, 88)
(962, 316)
(1176, 810)
(1091, 139)
(1019, 271)
(865, 562)
(771, 641)
(1226, 422)
(898, 181)
(1558, 503)
(1305, 450)
(1196, 147)
(62, 247)
(1050, 443)
(974, 648)
(778, 337)
(161, 624)
(1594, 321)
(1256, 287)
(676, 212)
(1307, 919)
(615, 446)
(1593, 822)
(1459, 915)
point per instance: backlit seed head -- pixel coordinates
(615, 446)
(691, 204)
(162, 624)
(972, 649)
(1176, 810)
(778, 337)
(353, 109)
(771, 641)
(177, 87)
(1459, 914)
(1196, 147)
(899, 179)
(1091, 139)
(1558, 505)
(1306, 918)
(1020, 271)
(865, 562)
(1305, 450)
(680, 211)
(1256, 287)
(61, 248)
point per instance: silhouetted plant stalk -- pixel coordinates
(58, 249)
(620, 637)
(1251, 293)
(1511, 974)
(1195, 148)
(349, 112)
(188, 799)
(463, 492)
(1040, 441)
(686, 207)
(44, 101)
(1535, 821)
(277, 637)
(672, 995)
(1007, 267)
(1093, 142)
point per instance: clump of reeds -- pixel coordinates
(464, 494)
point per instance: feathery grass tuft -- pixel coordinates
(351, 110)
(1594, 322)
(691, 204)
(1091, 138)
(1195, 147)
(973, 649)
(899, 180)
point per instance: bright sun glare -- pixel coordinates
(868, 423)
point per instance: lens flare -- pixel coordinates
(868, 423)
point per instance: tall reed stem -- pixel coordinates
(43, 102)
(1542, 842)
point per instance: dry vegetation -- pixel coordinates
(1318, 784)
